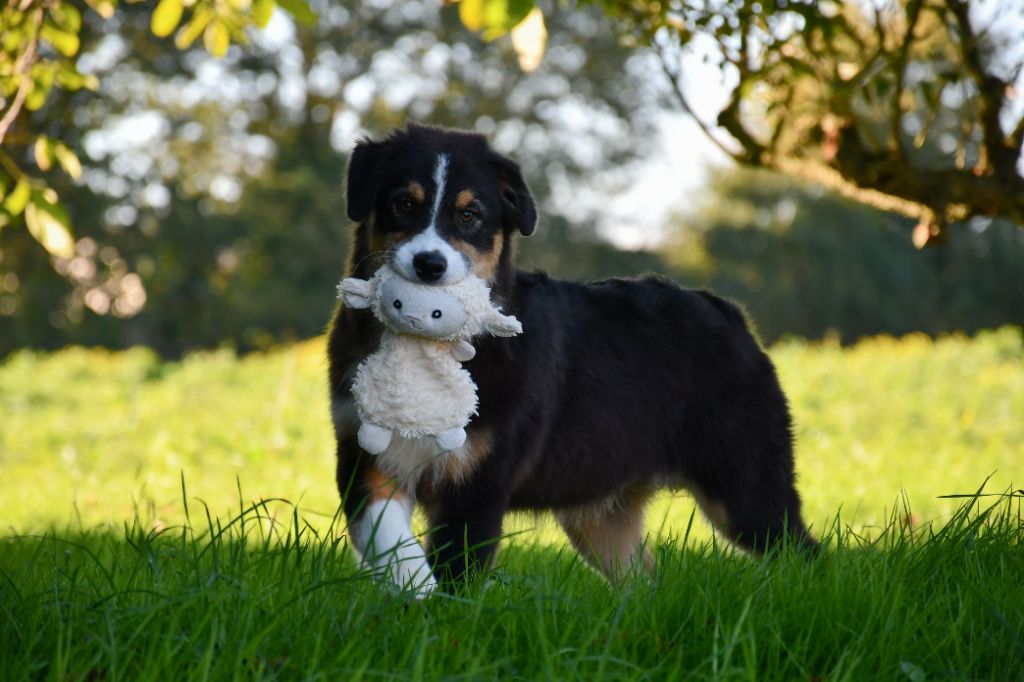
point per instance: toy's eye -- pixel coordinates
(467, 216)
(405, 205)
(436, 314)
(398, 304)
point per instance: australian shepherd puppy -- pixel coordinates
(614, 390)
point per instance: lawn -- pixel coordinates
(135, 545)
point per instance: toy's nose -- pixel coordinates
(413, 320)
(430, 266)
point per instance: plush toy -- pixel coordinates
(414, 384)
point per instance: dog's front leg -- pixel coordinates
(383, 535)
(464, 535)
(379, 516)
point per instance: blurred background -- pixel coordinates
(208, 209)
(171, 177)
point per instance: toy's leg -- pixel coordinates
(374, 439)
(450, 439)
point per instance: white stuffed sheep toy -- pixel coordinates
(414, 384)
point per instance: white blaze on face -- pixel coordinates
(430, 239)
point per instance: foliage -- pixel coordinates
(157, 563)
(809, 263)
(906, 105)
(211, 211)
(38, 55)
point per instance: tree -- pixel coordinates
(210, 209)
(903, 105)
(40, 42)
(809, 263)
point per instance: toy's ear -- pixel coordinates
(364, 178)
(355, 292)
(518, 209)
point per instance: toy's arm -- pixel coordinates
(502, 325)
(463, 350)
(355, 293)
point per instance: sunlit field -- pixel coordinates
(178, 519)
(92, 437)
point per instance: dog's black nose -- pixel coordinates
(429, 265)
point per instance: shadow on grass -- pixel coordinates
(265, 594)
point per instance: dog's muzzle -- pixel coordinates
(429, 266)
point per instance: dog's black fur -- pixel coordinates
(614, 386)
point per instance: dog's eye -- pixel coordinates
(467, 216)
(398, 304)
(436, 314)
(405, 205)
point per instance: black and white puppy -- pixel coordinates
(615, 389)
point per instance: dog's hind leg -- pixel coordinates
(610, 537)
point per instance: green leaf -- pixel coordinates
(63, 41)
(68, 160)
(494, 17)
(299, 10)
(508, 13)
(261, 12)
(471, 12)
(166, 17)
(216, 39)
(43, 152)
(16, 200)
(191, 30)
(50, 225)
(67, 17)
(105, 8)
(69, 78)
(43, 74)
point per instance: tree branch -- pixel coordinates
(22, 68)
(1002, 159)
(677, 89)
(900, 66)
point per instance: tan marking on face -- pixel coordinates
(382, 486)
(485, 263)
(464, 199)
(416, 191)
(381, 243)
(609, 535)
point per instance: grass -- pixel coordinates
(258, 599)
(110, 570)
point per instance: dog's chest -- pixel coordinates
(415, 460)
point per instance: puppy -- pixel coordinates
(615, 389)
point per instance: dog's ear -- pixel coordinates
(518, 209)
(363, 178)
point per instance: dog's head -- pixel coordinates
(438, 204)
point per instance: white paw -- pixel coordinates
(385, 542)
